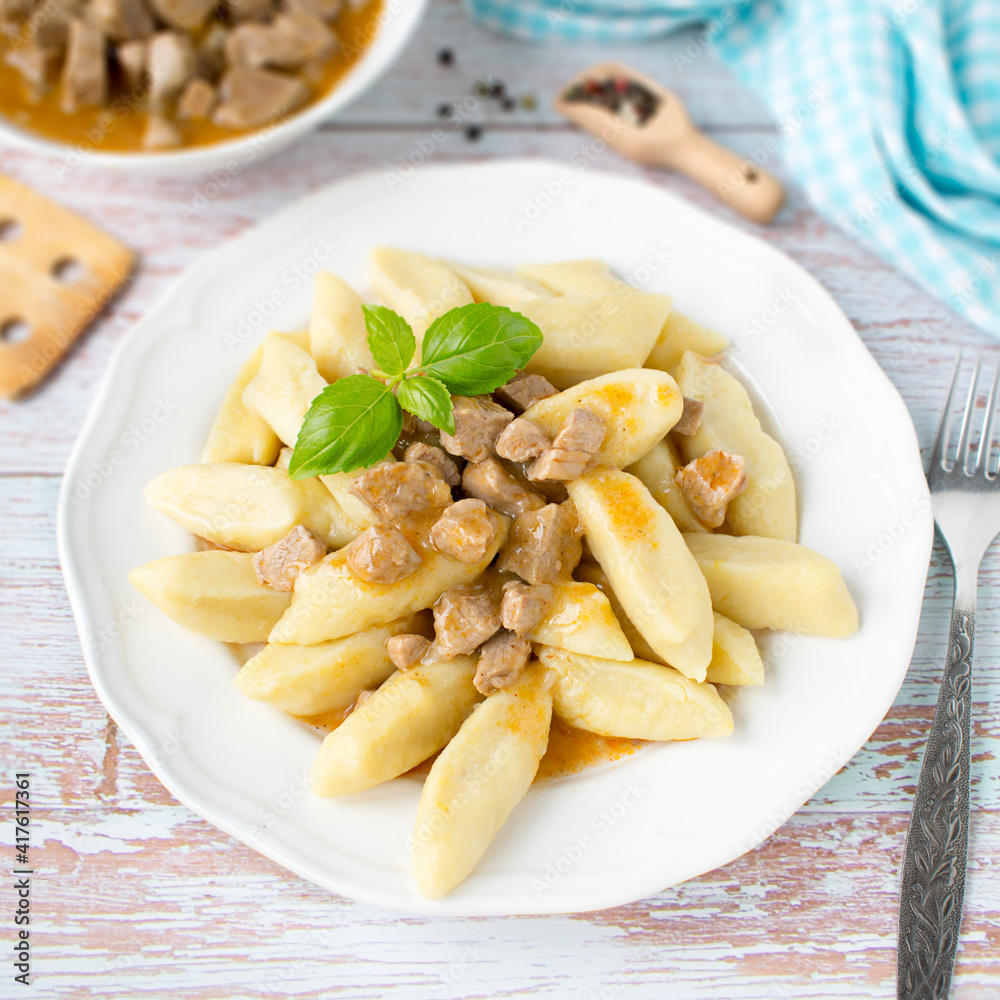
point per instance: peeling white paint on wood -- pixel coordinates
(136, 897)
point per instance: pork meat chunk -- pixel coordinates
(132, 60)
(37, 64)
(464, 618)
(279, 564)
(478, 423)
(122, 20)
(401, 491)
(253, 97)
(288, 42)
(710, 482)
(544, 545)
(490, 482)
(523, 606)
(250, 10)
(186, 15)
(406, 650)
(521, 440)
(381, 554)
(690, 419)
(197, 100)
(573, 447)
(161, 133)
(520, 393)
(465, 531)
(171, 62)
(501, 662)
(438, 457)
(84, 81)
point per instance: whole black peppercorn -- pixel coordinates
(473, 132)
(446, 57)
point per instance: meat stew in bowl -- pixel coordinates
(160, 75)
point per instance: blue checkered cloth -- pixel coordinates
(888, 112)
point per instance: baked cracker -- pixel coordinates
(57, 273)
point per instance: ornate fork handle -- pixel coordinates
(933, 883)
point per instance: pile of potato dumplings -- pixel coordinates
(657, 613)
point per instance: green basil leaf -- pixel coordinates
(390, 339)
(351, 424)
(475, 348)
(428, 399)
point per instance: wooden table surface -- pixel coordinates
(134, 896)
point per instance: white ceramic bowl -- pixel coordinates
(399, 20)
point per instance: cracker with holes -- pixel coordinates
(57, 272)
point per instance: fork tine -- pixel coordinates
(983, 454)
(940, 449)
(965, 433)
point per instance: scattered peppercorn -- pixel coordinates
(446, 57)
(445, 110)
(473, 132)
(507, 104)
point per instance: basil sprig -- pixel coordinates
(356, 421)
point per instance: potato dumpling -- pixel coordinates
(238, 433)
(735, 657)
(411, 716)
(326, 677)
(637, 407)
(657, 581)
(769, 583)
(499, 287)
(636, 700)
(247, 507)
(284, 387)
(580, 618)
(418, 288)
(478, 779)
(338, 338)
(680, 333)
(591, 335)
(767, 506)
(213, 593)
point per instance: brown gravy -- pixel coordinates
(120, 127)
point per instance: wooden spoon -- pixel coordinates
(669, 139)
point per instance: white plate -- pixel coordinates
(609, 835)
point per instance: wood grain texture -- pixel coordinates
(136, 897)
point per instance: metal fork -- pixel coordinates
(966, 499)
